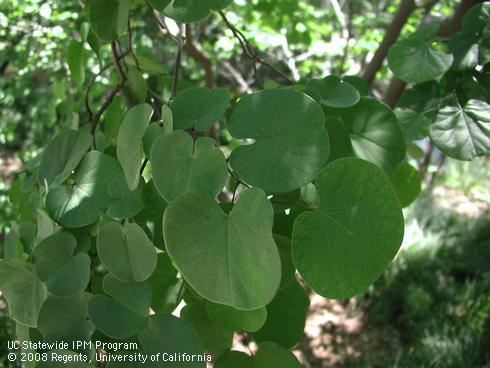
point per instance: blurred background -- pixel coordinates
(431, 308)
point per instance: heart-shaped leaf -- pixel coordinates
(62, 156)
(463, 132)
(24, 292)
(334, 92)
(130, 142)
(238, 260)
(413, 60)
(64, 272)
(286, 317)
(136, 256)
(166, 287)
(343, 248)
(194, 166)
(291, 143)
(83, 203)
(154, 339)
(199, 107)
(375, 133)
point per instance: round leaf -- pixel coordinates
(195, 166)
(334, 92)
(343, 248)
(24, 292)
(130, 142)
(126, 251)
(62, 156)
(165, 333)
(291, 143)
(166, 288)
(238, 260)
(199, 107)
(286, 317)
(231, 319)
(287, 266)
(64, 272)
(463, 133)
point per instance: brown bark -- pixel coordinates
(191, 49)
(406, 8)
(449, 27)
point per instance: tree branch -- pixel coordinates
(195, 53)
(248, 49)
(391, 35)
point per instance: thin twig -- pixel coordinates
(248, 49)
(96, 117)
(178, 59)
(238, 180)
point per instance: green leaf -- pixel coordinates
(235, 359)
(109, 18)
(159, 5)
(375, 133)
(214, 339)
(231, 319)
(150, 136)
(23, 291)
(465, 50)
(130, 142)
(133, 295)
(189, 11)
(291, 143)
(358, 83)
(12, 247)
(76, 61)
(407, 183)
(152, 201)
(199, 107)
(66, 319)
(272, 355)
(83, 203)
(463, 132)
(112, 120)
(239, 264)
(154, 339)
(415, 61)
(137, 85)
(343, 248)
(415, 126)
(126, 251)
(195, 166)
(114, 319)
(62, 155)
(124, 203)
(340, 141)
(476, 18)
(286, 317)
(334, 92)
(287, 266)
(64, 272)
(167, 289)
